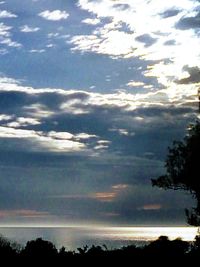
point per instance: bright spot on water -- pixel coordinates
(148, 233)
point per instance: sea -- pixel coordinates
(73, 237)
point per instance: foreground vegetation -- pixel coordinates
(159, 251)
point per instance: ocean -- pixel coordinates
(72, 237)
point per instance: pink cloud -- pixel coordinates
(22, 213)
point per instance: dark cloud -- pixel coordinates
(186, 23)
(14, 100)
(40, 175)
(170, 13)
(46, 108)
(147, 39)
(170, 42)
(194, 75)
(121, 6)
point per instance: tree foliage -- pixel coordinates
(183, 169)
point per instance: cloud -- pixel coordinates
(151, 207)
(123, 132)
(149, 34)
(51, 120)
(170, 13)
(146, 39)
(27, 29)
(112, 195)
(107, 196)
(38, 103)
(37, 51)
(122, 6)
(194, 75)
(99, 196)
(104, 196)
(170, 42)
(120, 187)
(39, 141)
(94, 149)
(4, 30)
(54, 15)
(22, 121)
(90, 21)
(6, 14)
(135, 84)
(23, 213)
(102, 145)
(106, 43)
(8, 42)
(5, 117)
(86, 136)
(187, 22)
(5, 36)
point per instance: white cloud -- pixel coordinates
(5, 36)
(8, 42)
(61, 135)
(26, 28)
(85, 136)
(135, 84)
(74, 107)
(5, 117)
(124, 132)
(149, 23)
(90, 21)
(102, 145)
(38, 111)
(37, 51)
(103, 142)
(22, 121)
(54, 15)
(10, 132)
(41, 140)
(107, 42)
(60, 145)
(6, 14)
(53, 35)
(50, 45)
(4, 30)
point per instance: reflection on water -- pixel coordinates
(112, 237)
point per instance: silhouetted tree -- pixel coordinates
(183, 169)
(8, 250)
(40, 252)
(39, 248)
(83, 250)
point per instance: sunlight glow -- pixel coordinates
(152, 33)
(150, 233)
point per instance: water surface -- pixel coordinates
(113, 237)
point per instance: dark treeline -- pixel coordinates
(159, 251)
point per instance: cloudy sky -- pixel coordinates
(92, 92)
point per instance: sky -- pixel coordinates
(92, 93)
